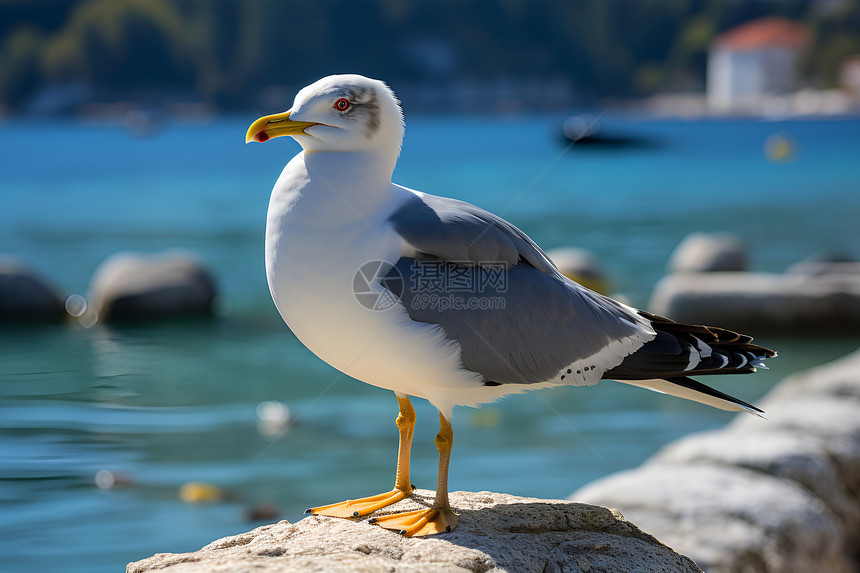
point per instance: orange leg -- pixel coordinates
(436, 519)
(402, 488)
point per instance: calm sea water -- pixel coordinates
(170, 404)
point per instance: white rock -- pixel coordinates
(708, 252)
(727, 518)
(497, 532)
(826, 262)
(781, 495)
(822, 404)
(775, 451)
(756, 302)
(839, 380)
(824, 268)
(132, 286)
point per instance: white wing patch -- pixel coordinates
(589, 371)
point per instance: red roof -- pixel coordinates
(764, 33)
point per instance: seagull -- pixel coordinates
(435, 298)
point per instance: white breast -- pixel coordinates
(319, 234)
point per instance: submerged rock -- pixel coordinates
(709, 252)
(132, 286)
(497, 532)
(708, 285)
(756, 302)
(25, 296)
(825, 268)
(777, 495)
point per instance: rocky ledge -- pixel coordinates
(497, 532)
(781, 495)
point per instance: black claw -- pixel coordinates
(371, 520)
(309, 510)
(447, 529)
(355, 514)
(402, 532)
(413, 486)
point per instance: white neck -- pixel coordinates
(363, 178)
(369, 165)
(333, 189)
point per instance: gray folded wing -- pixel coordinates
(518, 320)
(457, 231)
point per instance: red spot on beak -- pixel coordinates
(262, 137)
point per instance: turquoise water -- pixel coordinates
(169, 404)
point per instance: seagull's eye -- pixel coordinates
(342, 104)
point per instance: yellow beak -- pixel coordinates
(275, 125)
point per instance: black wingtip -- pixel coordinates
(704, 389)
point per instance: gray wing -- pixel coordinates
(454, 230)
(517, 321)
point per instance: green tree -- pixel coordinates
(127, 44)
(19, 62)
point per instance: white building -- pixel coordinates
(753, 62)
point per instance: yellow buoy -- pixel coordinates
(581, 266)
(779, 147)
(199, 492)
(486, 418)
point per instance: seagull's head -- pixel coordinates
(338, 113)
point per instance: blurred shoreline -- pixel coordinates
(144, 111)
